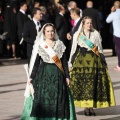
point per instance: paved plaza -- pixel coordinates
(12, 85)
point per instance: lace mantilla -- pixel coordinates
(59, 49)
(95, 38)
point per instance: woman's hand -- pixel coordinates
(70, 69)
(29, 81)
(68, 81)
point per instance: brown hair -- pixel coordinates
(48, 24)
(75, 10)
(36, 3)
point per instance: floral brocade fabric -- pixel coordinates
(90, 82)
(50, 93)
(52, 98)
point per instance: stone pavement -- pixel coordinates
(13, 82)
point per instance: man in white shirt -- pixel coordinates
(114, 17)
(75, 15)
(31, 29)
(73, 4)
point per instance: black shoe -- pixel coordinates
(92, 112)
(87, 113)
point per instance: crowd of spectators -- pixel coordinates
(9, 37)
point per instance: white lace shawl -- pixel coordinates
(39, 39)
(59, 49)
(95, 38)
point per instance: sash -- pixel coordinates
(91, 45)
(52, 55)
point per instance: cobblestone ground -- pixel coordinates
(13, 82)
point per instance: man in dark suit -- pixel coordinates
(61, 24)
(31, 29)
(71, 5)
(21, 19)
(75, 15)
(93, 13)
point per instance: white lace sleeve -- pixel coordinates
(59, 49)
(45, 57)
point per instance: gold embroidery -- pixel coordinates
(58, 62)
(95, 50)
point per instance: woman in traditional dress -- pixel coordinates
(48, 70)
(91, 85)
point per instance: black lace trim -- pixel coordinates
(90, 83)
(50, 96)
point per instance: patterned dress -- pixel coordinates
(91, 85)
(52, 98)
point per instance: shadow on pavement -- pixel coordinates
(114, 83)
(16, 117)
(7, 85)
(115, 110)
(1, 92)
(9, 62)
(114, 118)
(116, 87)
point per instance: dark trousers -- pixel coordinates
(22, 49)
(117, 47)
(29, 57)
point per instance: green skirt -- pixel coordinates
(52, 98)
(91, 85)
